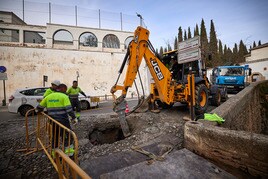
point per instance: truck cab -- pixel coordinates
(232, 77)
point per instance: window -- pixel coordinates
(110, 41)
(127, 41)
(88, 39)
(9, 35)
(63, 37)
(34, 37)
(34, 92)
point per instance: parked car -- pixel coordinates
(28, 98)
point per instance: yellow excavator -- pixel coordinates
(165, 90)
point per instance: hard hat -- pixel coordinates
(55, 82)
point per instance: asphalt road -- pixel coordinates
(104, 107)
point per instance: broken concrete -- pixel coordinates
(179, 164)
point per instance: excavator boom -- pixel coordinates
(140, 48)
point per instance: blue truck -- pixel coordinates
(232, 77)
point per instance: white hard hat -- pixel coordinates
(56, 82)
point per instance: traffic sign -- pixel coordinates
(189, 56)
(189, 50)
(3, 69)
(3, 76)
(189, 44)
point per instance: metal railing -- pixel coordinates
(41, 13)
(104, 97)
(67, 168)
(49, 135)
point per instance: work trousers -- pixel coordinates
(58, 134)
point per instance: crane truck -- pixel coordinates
(194, 89)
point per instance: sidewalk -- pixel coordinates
(3, 108)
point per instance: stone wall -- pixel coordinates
(26, 66)
(241, 141)
(243, 150)
(244, 111)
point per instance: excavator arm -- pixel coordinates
(140, 48)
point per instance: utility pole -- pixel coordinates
(77, 76)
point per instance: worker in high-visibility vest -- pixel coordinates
(53, 88)
(73, 93)
(59, 108)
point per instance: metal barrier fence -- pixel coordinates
(39, 13)
(104, 97)
(67, 168)
(45, 133)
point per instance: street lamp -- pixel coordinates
(140, 18)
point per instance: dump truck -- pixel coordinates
(234, 78)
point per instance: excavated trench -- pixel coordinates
(108, 135)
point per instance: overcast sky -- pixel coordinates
(233, 19)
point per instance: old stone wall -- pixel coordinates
(240, 149)
(245, 111)
(241, 141)
(26, 66)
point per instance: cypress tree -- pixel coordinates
(180, 34)
(161, 52)
(242, 52)
(254, 44)
(229, 55)
(156, 51)
(189, 33)
(259, 43)
(196, 33)
(213, 46)
(235, 53)
(225, 61)
(204, 42)
(165, 49)
(185, 35)
(175, 43)
(220, 53)
(169, 48)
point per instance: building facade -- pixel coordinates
(62, 52)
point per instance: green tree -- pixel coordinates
(185, 35)
(220, 53)
(254, 44)
(213, 46)
(229, 55)
(196, 32)
(180, 34)
(165, 49)
(242, 52)
(161, 51)
(175, 43)
(189, 33)
(225, 61)
(259, 43)
(169, 48)
(156, 51)
(235, 54)
(204, 43)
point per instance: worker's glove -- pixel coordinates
(75, 121)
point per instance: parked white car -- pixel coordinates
(28, 98)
